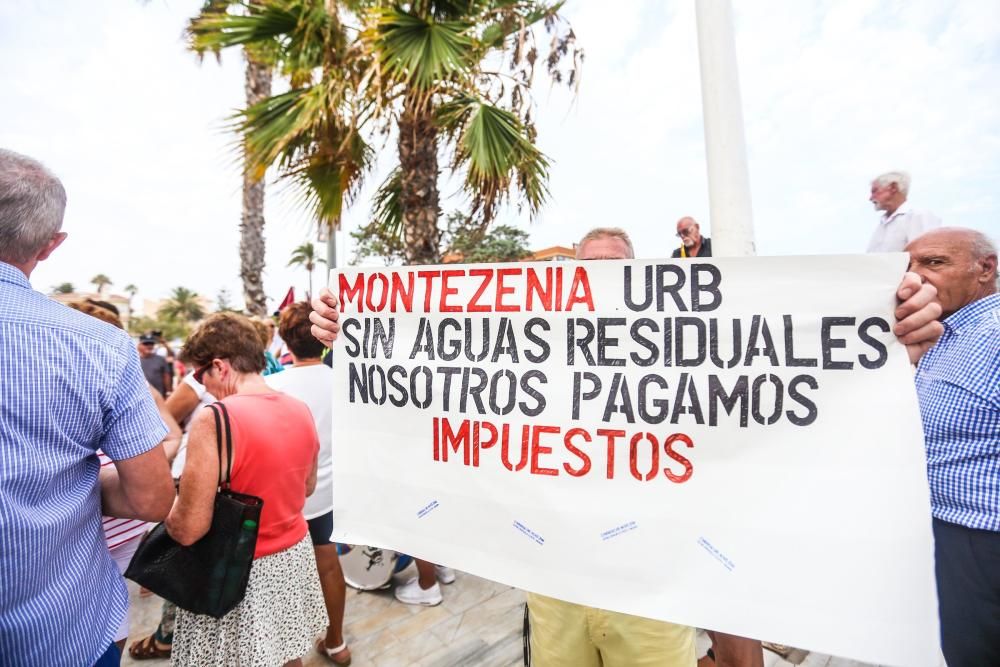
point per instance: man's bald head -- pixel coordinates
(961, 263)
(688, 231)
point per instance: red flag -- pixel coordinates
(288, 300)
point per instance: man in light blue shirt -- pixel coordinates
(958, 384)
(900, 223)
(69, 384)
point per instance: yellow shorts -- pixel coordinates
(571, 635)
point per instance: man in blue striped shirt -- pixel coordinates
(69, 384)
(958, 384)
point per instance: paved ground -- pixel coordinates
(478, 624)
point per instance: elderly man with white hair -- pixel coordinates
(958, 384)
(62, 598)
(900, 223)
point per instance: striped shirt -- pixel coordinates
(958, 384)
(69, 384)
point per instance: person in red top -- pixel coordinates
(275, 449)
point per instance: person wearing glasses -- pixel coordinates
(693, 244)
(275, 449)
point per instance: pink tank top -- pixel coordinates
(274, 446)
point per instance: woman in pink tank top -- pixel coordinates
(275, 448)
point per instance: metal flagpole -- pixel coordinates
(725, 147)
(729, 204)
(331, 249)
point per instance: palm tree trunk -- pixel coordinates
(419, 166)
(258, 87)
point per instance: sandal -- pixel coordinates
(146, 649)
(330, 652)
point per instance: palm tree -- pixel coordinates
(223, 301)
(63, 288)
(305, 256)
(131, 290)
(182, 306)
(257, 87)
(423, 67)
(100, 281)
(312, 132)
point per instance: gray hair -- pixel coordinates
(900, 178)
(608, 232)
(982, 246)
(32, 203)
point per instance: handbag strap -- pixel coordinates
(222, 417)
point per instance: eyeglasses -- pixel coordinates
(199, 373)
(685, 232)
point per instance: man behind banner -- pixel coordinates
(693, 244)
(958, 384)
(564, 634)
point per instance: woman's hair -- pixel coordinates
(265, 330)
(100, 309)
(294, 329)
(226, 336)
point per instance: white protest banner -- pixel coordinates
(732, 444)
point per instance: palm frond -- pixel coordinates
(279, 124)
(497, 152)
(420, 52)
(213, 30)
(458, 9)
(330, 176)
(387, 207)
(316, 148)
(289, 33)
(496, 33)
(305, 256)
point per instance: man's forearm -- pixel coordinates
(152, 504)
(114, 501)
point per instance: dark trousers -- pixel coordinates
(111, 658)
(967, 563)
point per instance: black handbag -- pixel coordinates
(210, 576)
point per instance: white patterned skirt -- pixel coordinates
(277, 621)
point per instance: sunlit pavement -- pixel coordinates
(479, 623)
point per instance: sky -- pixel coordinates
(834, 93)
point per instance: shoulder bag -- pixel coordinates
(210, 576)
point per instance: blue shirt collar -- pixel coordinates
(9, 274)
(972, 312)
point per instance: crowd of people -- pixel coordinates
(93, 450)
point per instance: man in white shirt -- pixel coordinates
(900, 223)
